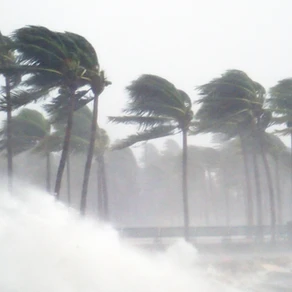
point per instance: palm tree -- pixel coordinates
(102, 143)
(280, 102)
(81, 132)
(11, 78)
(29, 130)
(226, 108)
(159, 109)
(98, 87)
(278, 151)
(228, 174)
(63, 61)
(233, 105)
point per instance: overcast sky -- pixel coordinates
(187, 42)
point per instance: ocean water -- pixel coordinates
(47, 247)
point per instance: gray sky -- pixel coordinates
(187, 42)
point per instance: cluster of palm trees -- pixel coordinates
(232, 105)
(62, 71)
(38, 63)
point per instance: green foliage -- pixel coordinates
(28, 128)
(54, 60)
(32, 131)
(157, 107)
(51, 55)
(229, 104)
(280, 102)
(149, 134)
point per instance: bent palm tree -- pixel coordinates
(226, 108)
(280, 102)
(12, 78)
(102, 143)
(63, 61)
(98, 85)
(233, 105)
(159, 109)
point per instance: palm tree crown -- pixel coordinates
(157, 107)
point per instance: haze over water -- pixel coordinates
(46, 247)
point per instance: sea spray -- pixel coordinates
(47, 247)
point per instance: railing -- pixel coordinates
(208, 231)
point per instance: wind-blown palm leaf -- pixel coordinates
(153, 95)
(7, 60)
(154, 133)
(280, 101)
(54, 58)
(50, 143)
(53, 143)
(21, 97)
(58, 107)
(81, 45)
(142, 122)
(228, 103)
(156, 107)
(231, 83)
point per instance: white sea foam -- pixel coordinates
(46, 247)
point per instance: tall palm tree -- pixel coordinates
(226, 108)
(63, 61)
(98, 85)
(278, 152)
(11, 78)
(32, 131)
(81, 132)
(102, 143)
(233, 105)
(280, 102)
(159, 109)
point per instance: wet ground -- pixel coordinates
(248, 266)
(254, 273)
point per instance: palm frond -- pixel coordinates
(229, 104)
(141, 121)
(154, 133)
(50, 143)
(56, 56)
(58, 107)
(21, 97)
(157, 93)
(280, 102)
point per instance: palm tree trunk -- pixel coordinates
(185, 184)
(68, 170)
(206, 201)
(225, 190)
(100, 198)
(278, 191)
(48, 172)
(250, 220)
(290, 200)
(258, 194)
(271, 190)
(9, 136)
(66, 144)
(89, 157)
(104, 189)
(211, 199)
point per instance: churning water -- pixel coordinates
(46, 247)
